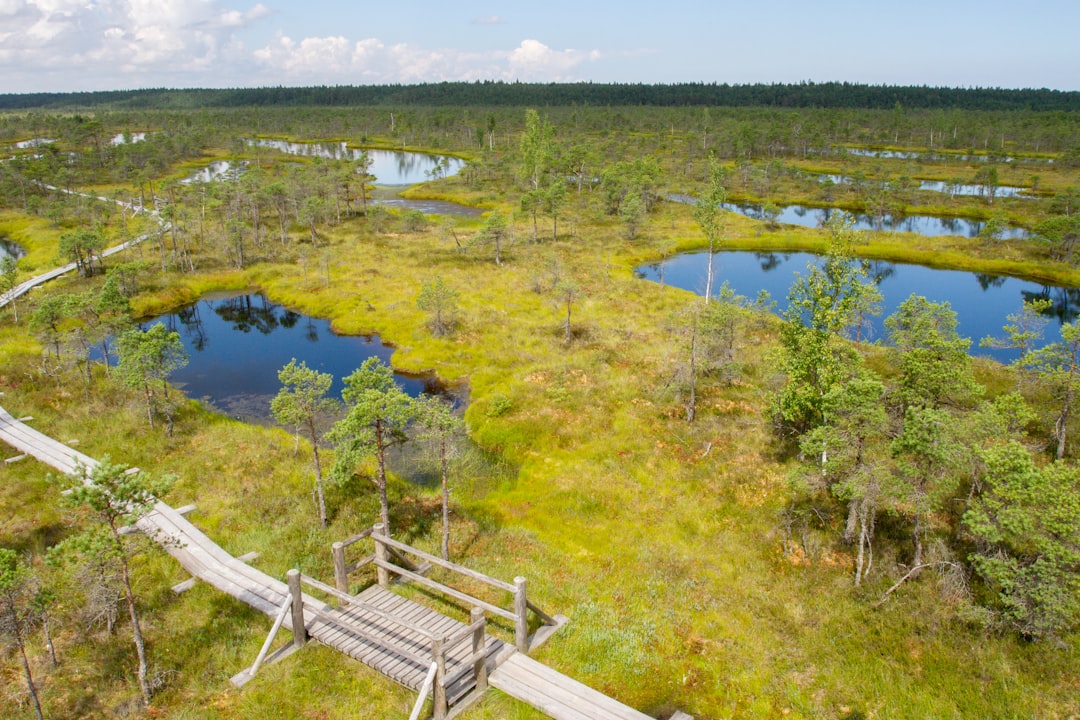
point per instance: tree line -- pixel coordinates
(518, 94)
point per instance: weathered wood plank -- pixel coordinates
(544, 688)
(457, 594)
(401, 651)
(549, 706)
(454, 567)
(183, 587)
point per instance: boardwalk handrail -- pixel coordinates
(342, 570)
(435, 560)
(384, 544)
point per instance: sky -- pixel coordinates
(69, 45)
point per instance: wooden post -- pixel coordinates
(438, 698)
(378, 531)
(521, 609)
(299, 632)
(341, 578)
(479, 645)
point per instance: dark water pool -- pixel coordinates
(236, 345)
(929, 225)
(982, 302)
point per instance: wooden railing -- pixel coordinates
(385, 546)
(441, 646)
(342, 570)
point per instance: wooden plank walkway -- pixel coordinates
(28, 285)
(389, 647)
(199, 555)
(555, 694)
(374, 630)
(400, 653)
(25, 287)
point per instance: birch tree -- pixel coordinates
(708, 213)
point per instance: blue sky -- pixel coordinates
(64, 45)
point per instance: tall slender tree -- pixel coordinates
(303, 403)
(378, 412)
(440, 425)
(116, 498)
(17, 614)
(708, 213)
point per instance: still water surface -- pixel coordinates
(10, 248)
(390, 167)
(929, 225)
(981, 302)
(236, 345)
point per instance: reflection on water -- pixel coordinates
(217, 170)
(127, 138)
(982, 302)
(941, 156)
(33, 143)
(237, 345)
(952, 188)
(10, 248)
(390, 167)
(928, 225)
(432, 207)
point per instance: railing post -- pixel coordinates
(479, 646)
(521, 609)
(377, 533)
(300, 635)
(341, 578)
(438, 697)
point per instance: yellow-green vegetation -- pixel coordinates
(663, 541)
(37, 236)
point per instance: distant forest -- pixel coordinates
(517, 94)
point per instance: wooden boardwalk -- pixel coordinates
(377, 627)
(28, 285)
(393, 647)
(384, 642)
(555, 694)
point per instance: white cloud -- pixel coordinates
(92, 39)
(107, 44)
(488, 20)
(533, 60)
(335, 60)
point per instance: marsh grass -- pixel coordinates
(662, 541)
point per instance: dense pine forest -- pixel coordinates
(746, 505)
(517, 94)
